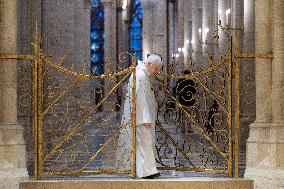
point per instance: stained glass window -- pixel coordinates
(97, 37)
(136, 16)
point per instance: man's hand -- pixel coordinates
(147, 125)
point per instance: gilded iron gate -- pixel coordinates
(76, 127)
(194, 128)
(78, 132)
(78, 119)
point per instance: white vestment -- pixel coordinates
(146, 112)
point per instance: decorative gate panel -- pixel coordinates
(194, 127)
(79, 120)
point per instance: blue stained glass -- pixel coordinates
(94, 27)
(97, 37)
(94, 35)
(136, 16)
(100, 14)
(95, 47)
(95, 57)
(136, 2)
(95, 3)
(135, 23)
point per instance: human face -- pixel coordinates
(153, 68)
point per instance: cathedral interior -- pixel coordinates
(64, 67)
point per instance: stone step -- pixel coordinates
(188, 183)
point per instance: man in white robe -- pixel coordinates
(146, 113)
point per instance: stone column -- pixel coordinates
(208, 25)
(82, 21)
(248, 67)
(123, 33)
(196, 25)
(147, 28)
(110, 43)
(123, 37)
(12, 146)
(154, 28)
(187, 32)
(180, 36)
(257, 143)
(276, 141)
(223, 5)
(160, 29)
(247, 70)
(278, 65)
(110, 33)
(56, 15)
(237, 15)
(237, 20)
(266, 141)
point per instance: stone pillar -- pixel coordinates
(123, 37)
(123, 33)
(278, 66)
(259, 131)
(237, 16)
(223, 5)
(110, 34)
(12, 146)
(160, 29)
(187, 32)
(208, 25)
(154, 28)
(276, 141)
(56, 15)
(82, 29)
(110, 44)
(196, 35)
(180, 36)
(249, 64)
(258, 141)
(247, 70)
(147, 28)
(266, 141)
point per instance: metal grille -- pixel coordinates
(76, 129)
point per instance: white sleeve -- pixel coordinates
(143, 113)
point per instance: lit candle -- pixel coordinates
(206, 32)
(228, 11)
(124, 5)
(219, 16)
(199, 33)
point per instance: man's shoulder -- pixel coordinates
(140, 73)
